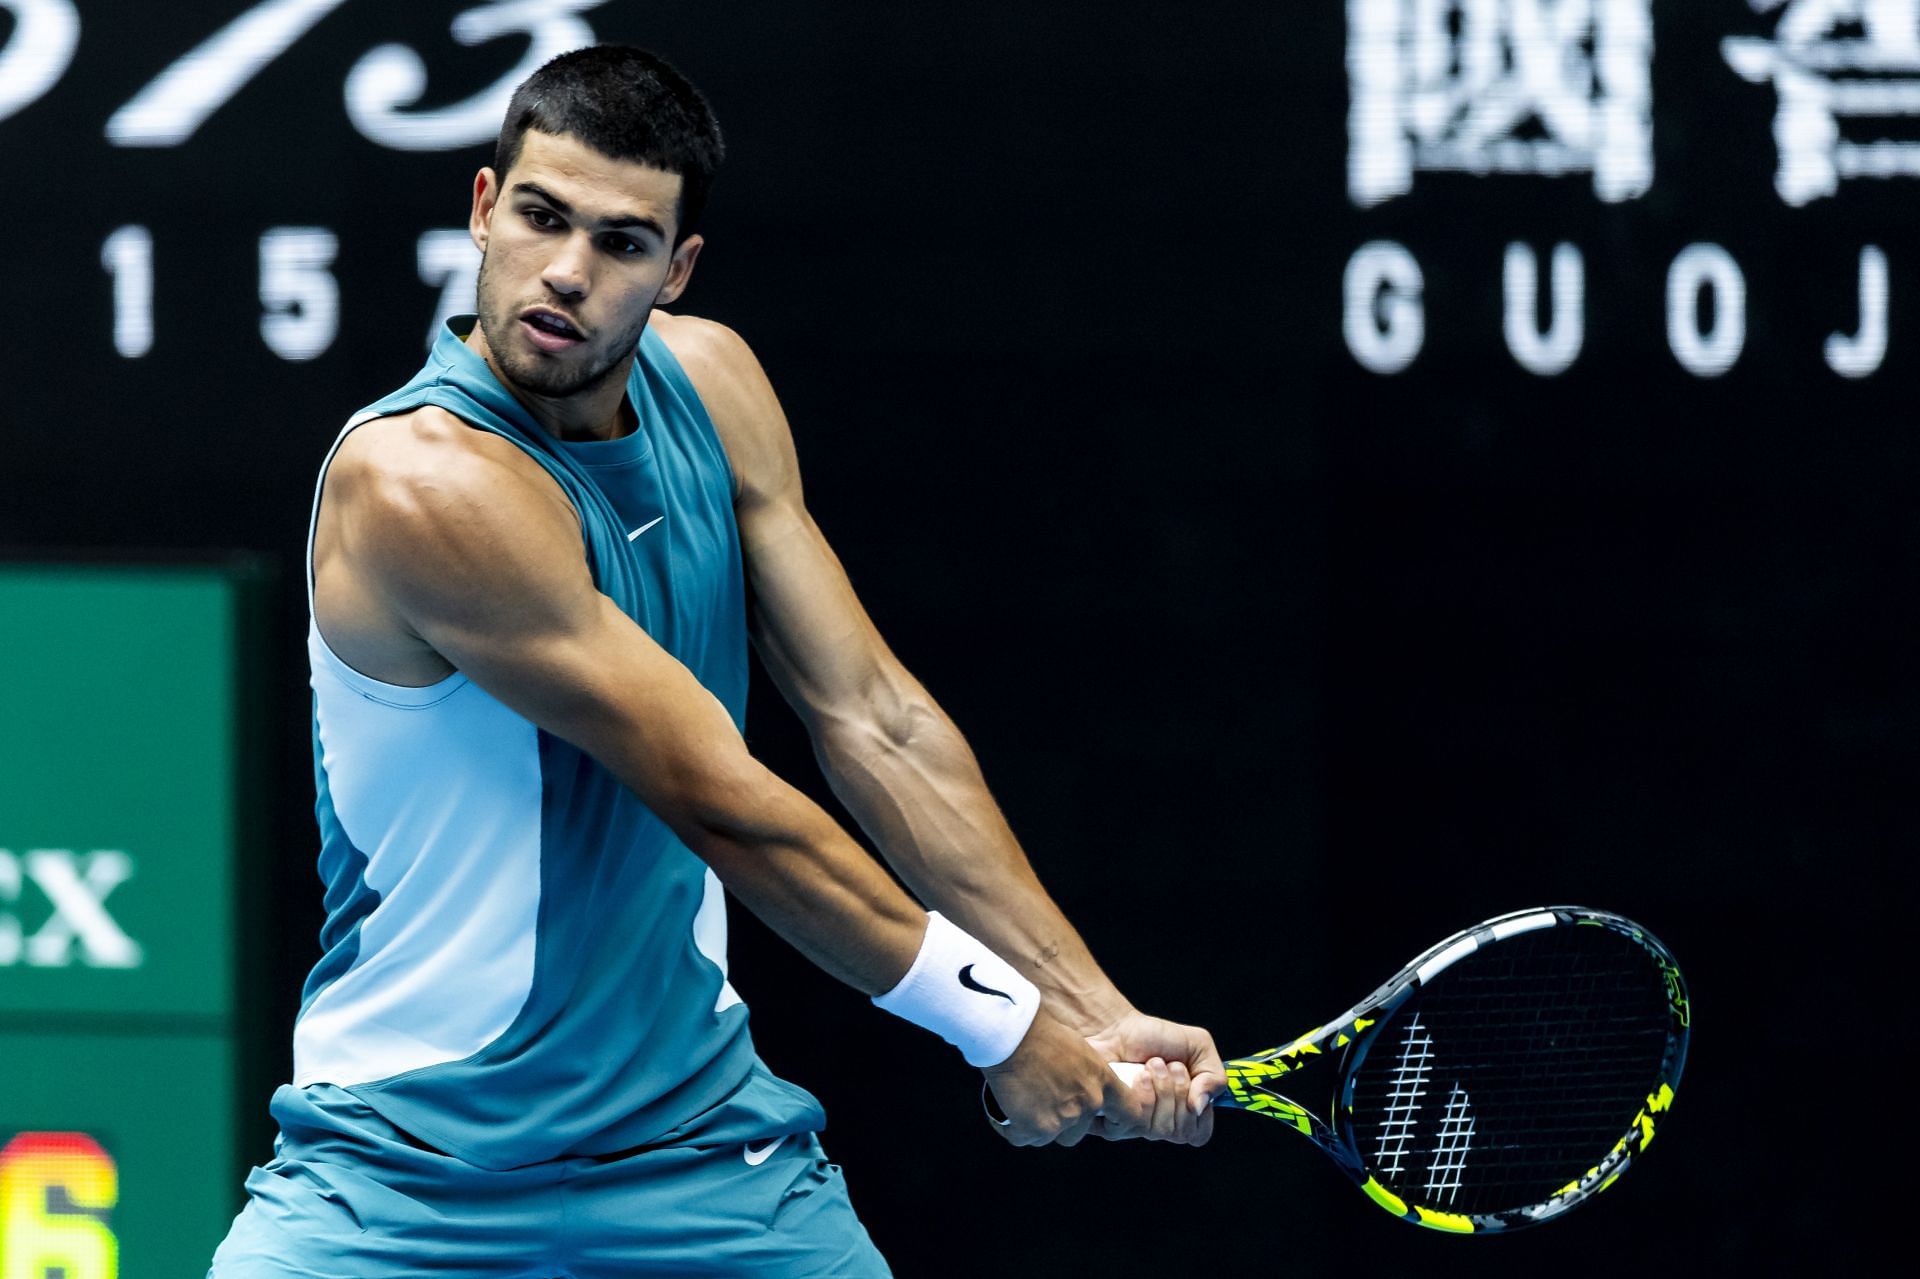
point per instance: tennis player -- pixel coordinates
(534, 570)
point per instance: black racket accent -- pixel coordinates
(1516, 1070)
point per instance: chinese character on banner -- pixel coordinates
(1829, 60)
(1499, 86)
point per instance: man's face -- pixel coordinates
(576, 251)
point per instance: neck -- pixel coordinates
(597, 412)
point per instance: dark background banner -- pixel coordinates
(1350, 471)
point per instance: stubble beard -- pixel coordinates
(532, 373)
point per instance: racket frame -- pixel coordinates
(1270, 1082)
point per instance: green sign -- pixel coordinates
(114, 1145)
(122, 812)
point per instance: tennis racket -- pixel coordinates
(1510, 1072)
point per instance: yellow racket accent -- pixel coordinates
(1385, 1198)
(1445, 1221)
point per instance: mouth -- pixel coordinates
(550, 330)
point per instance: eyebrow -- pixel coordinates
(561, 206)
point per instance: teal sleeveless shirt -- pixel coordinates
(520, 960)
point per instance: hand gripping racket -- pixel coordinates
(1507, 1074)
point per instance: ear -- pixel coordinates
(680, 270)
(486, 193)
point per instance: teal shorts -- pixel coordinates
(742, 1190)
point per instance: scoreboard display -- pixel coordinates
(123, 814)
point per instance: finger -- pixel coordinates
(1177, 1102)
(1206, 1085)
(1014, 1131)
(1205, 1057)
(1160, 1122)
(1203, 1127)
(1074, 1133)
(1174, 1101)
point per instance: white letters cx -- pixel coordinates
(76, 886)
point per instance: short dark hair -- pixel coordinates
(625, 103)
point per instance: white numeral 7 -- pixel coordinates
(167, 111)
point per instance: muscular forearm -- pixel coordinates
(918, 793)
(805, 878)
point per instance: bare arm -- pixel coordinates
(892, 756)
(897, 761)
(450, 547)
(471, 549)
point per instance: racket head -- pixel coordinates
(1512, 1071)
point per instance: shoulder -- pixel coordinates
(420, 488)
(737, 394)
(709, 351)
(430, 457)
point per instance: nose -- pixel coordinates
(569, 271)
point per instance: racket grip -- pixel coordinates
(1130, 1073)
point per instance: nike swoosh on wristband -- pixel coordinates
(644, 527)
(966, 979)
(756, 1157)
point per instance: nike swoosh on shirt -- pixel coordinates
(966, 979)
(757, 1156)
(644, 527)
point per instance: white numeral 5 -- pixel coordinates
(301, 298)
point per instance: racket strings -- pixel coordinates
(1514, 1071)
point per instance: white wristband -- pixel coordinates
(965, 994)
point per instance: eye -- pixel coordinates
(542, 218)
(625, 246)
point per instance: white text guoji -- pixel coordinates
(1384, 310)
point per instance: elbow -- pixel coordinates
(699, 791)
(724, 804)
(906, 722)
(880, 726)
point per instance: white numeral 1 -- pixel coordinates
(301, 297)
(128, 257)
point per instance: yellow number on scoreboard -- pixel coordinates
(55, 1191)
